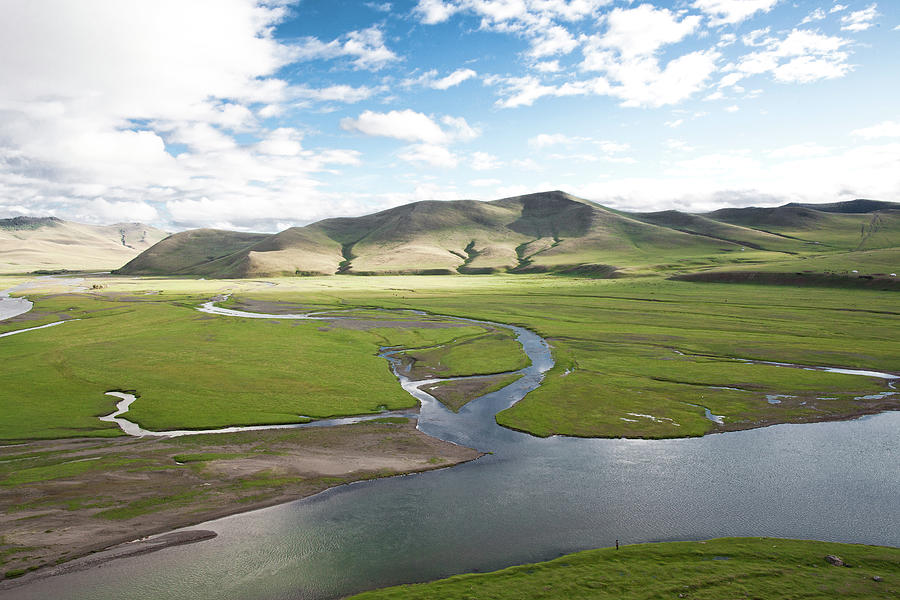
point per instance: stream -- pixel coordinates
(531, 499)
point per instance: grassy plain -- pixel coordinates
(645, 357)
(634, 357)
(192, 370)
(711, 570)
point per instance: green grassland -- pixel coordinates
(483, 354)
(715, 569)
(618, 340)
(192, 370)
(635, 357)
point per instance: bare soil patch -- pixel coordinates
(64, 499)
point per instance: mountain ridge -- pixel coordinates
(543, 232)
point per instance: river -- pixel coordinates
(532, 499)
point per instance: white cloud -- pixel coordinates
(99, 117)
(482, 161)
(346, 94)
(407, 125)
(548, 66)
(454, 79)
(837, 8)
(816, 15)
(643, 30)
(757, 37)
(432, 12)
(365, 47)
(742, 178)
(459, 129)
(411, 126)
(674, 123)
(859, 20)
(554, 40)
(284, 141)
(524, 91)
(594, 149)
(100, 210)
(883, 129)
(722, 12)
(431, 80)
(733, 108)
(803, 56)
(627, 55)
(431, 154)
(726, 39)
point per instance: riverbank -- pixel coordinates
(64, 499)
(719, 568)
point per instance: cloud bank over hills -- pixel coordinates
(261, 114)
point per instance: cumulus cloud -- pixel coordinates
(411, 126)
(802, 56)
(555, 40)
(364, 47)
(407, 125)
(432, 12)
(730, 12)
(627, 53)
(99, 119)
(859, 20)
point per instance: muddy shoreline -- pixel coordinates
(247, 471)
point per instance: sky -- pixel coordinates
(263, 114)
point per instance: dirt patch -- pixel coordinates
(64, 499)
(456, 393)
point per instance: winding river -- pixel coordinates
(531, 499)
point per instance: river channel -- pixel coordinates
(531, 499)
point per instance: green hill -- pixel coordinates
(837, 226)
(191, 252)
(543, 232)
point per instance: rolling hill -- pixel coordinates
(549, 231)
(47, 243)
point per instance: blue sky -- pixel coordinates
(261, 114)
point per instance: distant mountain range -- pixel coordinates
(544, 232)
(47, 243)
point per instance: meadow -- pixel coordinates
(642, 357)
(714, 569)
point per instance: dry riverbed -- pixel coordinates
(63, 499)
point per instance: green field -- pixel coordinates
(634, 357)
(712, 570)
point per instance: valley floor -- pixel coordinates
(640, 358)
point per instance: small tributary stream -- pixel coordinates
(531, 499)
